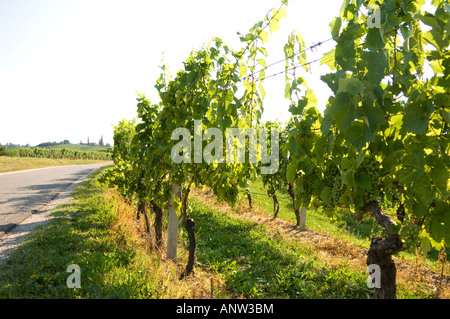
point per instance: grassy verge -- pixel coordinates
(97, 232)
(239, 253)
(10, 164)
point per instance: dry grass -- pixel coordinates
(11, 164)
(201, 284)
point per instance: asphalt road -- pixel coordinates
(23, 192)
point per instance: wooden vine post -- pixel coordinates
(172, 228)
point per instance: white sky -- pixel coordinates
(70, 69)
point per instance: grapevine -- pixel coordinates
(332, 180)
(410, 235)
(310, 187)
(337, 191)
(371, 167)
(382, 102)
(380, 105)
(330, 172)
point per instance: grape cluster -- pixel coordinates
(330, 172)
(372, 168)
(231, 195)
(305, 196)
(392, 197)
(310, 186)
(337, 191)
(410, 236)
(228, 194)
(332, 179)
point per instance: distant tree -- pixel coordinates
(47, 144)
(101, 142)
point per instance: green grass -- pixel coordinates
(256, 265)
(344, 227)
(97, 232)
(80, 233)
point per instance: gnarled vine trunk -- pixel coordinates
(296, 210)
(142, 210)
(189, 224)
(276, 205)
(380, 254)
(157, 224)
(249, 197)
(190, 227)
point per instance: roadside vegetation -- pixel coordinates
(241, 253)
(96, 230)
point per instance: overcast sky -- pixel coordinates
(70, 69)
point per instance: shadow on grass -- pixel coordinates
(258, 266)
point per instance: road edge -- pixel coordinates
(18, 233)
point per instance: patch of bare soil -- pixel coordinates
(335, 251)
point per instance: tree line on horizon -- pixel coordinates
(51, 144)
